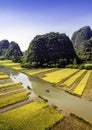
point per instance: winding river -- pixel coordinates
(63, 100)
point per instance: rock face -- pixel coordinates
(86, 50)
(82, 43)
(10, 50)
(81, 36)
(50, 48)
(4, 44)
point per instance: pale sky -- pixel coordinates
(22, 20)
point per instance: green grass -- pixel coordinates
(14, 98)
(33, 116)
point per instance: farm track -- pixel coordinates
(31, 98)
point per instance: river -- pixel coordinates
(63, 100)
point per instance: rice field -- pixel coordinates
(81, 86)
(10, 92)
(38, 115)
(3, 76)
(61, 77)
(88, 89)
(7, 100)
(71, 80)
(57, 76)
(10, 87)
(33, 116)
(75, 80)
(36, 71)
(11, 64)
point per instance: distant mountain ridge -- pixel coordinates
(10, 50)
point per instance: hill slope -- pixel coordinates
(82, 42)
(10, 50)
(50, 49)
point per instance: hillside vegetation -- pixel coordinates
(49, 50)
(10, 51)
(82, 43)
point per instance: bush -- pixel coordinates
(76, 66)
(25, 65)
(86, 66)
(34, 65)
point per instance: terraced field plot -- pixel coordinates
(36, 71)
(5, 81)
(9, 63)
(88, 89)
(70, 76)
(6, 100)
(3, 75)
(71, 80)
(57, 76)
(81, 86)
(11, 92)
(34, 116)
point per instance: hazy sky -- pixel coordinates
(22, 20)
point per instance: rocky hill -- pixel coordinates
(10, 50)
(51, 49)
(81, 40)
(80, 36)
